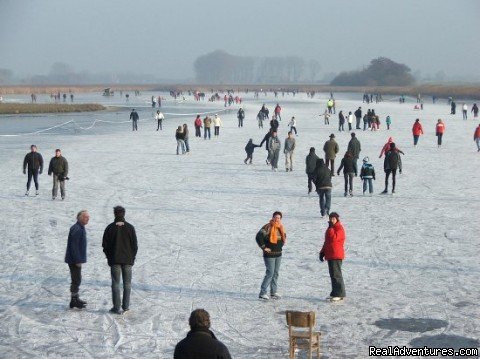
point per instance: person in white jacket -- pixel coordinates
(464, 111)
(293, 125)
(217, 122)
(350, 120)
(159, 117)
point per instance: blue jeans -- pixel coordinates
(325, 199)
(124, 271)
(180, 145)
(369, 182)
(272, 266)
(205, 131)
(187, 147)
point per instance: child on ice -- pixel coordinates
(249, 148)
(367, 175)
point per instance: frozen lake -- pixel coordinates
(411, 269)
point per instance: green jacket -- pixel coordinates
(331, 149)
(58, 166)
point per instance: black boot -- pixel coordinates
(75, 302)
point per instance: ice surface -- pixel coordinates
(412, 256)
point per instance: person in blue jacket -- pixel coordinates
(76, 255)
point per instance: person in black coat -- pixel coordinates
(120, 247)
(266, 139)
(249, 148)
(33, 162)
(323, 182)
(200, 342)
(392, 162)
(310, 165)
(134, 117)
(274, 124)
(349, 167)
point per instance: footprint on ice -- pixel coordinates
(414, 325)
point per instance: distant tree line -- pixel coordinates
(381, 72)
(219, 67)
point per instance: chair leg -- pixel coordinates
(291, 349)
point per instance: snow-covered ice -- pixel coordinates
(411, 269)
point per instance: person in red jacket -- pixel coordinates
(386, 147)
(198, 125)
(476, 137)
(417, 130)
(334, 252)
(439, 131)
(278, 109)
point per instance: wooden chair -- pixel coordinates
(305, 338)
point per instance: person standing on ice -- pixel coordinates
(367, 175)
(330, 106)
(331, 149)
(240, 116)
(274, 123)
(439, 131)
(120, 247)
(260, 118)
(341, 121)
(274, 146)
(293, 125)
(207, 124)
(249, 148)
(185, 138)
(333, 251)
(349, 171)
(200, 341)
(417, 130)
(217, 122)
(388, 122)
(476, 137)
(453, 108)
(159, 117)
(310, 165)
(180, 137)
(134, 117)
(326, 117)
(288, 150)
(59, 168)
(198, 125)
(358, 118)
(392, 162)
(271, 238)
(354, 147)
(33, 163)
(76, 255)
(350, 120)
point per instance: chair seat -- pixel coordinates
(302, 334)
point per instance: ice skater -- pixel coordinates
(120, 247)
(76, 255)
(271, 238)
(333, 251)
(249, 148)
(33, 164)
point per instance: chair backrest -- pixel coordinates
(300, 319)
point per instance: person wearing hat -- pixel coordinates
(392, 162)
(217, 122)
(331, 149)
(59, 168)
(354, 147)
(367, 175)
(333, 251)
(240, 116)
(33, 162)
(358, 118)
(134, 117)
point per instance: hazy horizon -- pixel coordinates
(165, 38)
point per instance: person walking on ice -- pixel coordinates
(417, 130)
(392, 162)
(249, 148)
(334, 252)
(33, 163)
(439, 131)
(274, 146)
(293, 125)
(367, 175)
(288, 150)
(476, 137)
(159, 117)
(310, 165)
(349, 170)
(240, 116)
(271, 238)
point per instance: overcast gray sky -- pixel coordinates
(165, 37)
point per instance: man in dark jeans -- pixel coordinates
(333, 251)
(323, 183)
(120, 247)
(76, 255)
(34, 161)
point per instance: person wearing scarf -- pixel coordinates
(271, 238)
